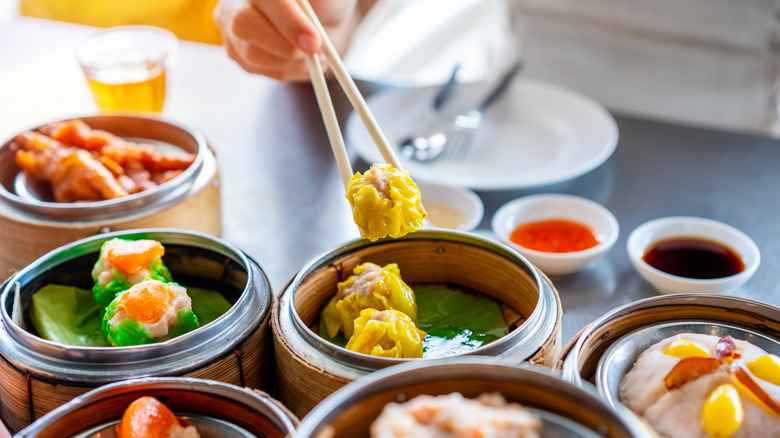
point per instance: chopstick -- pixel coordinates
(351, 90)
(329, 118)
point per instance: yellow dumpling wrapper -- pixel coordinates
(385, 202)
(369, 287)
(386, 333)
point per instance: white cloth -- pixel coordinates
(706, 62)
(418, 42)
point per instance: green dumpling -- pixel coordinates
(150, 311)
(123, 263)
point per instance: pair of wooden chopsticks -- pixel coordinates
(354, 96)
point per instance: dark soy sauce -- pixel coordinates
(693, 258)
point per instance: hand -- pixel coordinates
(271, 37)
(3, 431)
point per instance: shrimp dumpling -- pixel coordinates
(150, 311)
(123, 263)
(385, 202)
(369, 287)
(386, 333)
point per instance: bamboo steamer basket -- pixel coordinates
(217, 410)
(564, 409)
(580, 358)
(37, 375)
(309, 368)
(32, 224)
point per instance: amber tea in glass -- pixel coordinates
(126, 67)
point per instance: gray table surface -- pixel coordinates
(283, 201)
(658, 169)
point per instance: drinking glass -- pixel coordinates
(125, 67)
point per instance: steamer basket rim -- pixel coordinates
(462, 366)
(166, 193)
(532, 326)
(280, 417)
(571, 363)
(36, 349)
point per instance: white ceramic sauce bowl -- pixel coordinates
(556, 206)
(439, 199)
(694, 227)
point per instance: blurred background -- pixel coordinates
(704, 62)
(710, 63)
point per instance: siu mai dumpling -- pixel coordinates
(369, 287)
(386, 333)
(150, 311)
(124, 263)
(385, 202)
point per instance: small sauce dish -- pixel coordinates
(456, 208)
(716, 247)
(546, 208)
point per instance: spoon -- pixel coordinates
(418, 146)
(430, 146)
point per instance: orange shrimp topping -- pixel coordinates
(146, 417)
(145, 302)
(135, 255)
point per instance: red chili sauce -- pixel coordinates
(554, 235)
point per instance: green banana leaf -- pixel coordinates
(207, 304)
(67, 315)
(455, 321)
(70, 316)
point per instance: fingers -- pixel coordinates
(333, 13)
(272, 37)
(291, 22)
(254, 41)
(255, 29)
(261, 62)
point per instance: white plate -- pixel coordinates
(537, 134)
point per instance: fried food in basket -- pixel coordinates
(74, 173)
(85, 164)
(385, 202)
(122, 152)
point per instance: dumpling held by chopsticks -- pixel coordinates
(385, 202)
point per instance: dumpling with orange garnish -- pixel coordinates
(150, 311)
(147, 417)
(123, 263)
(385, 202)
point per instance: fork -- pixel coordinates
(464, 127)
